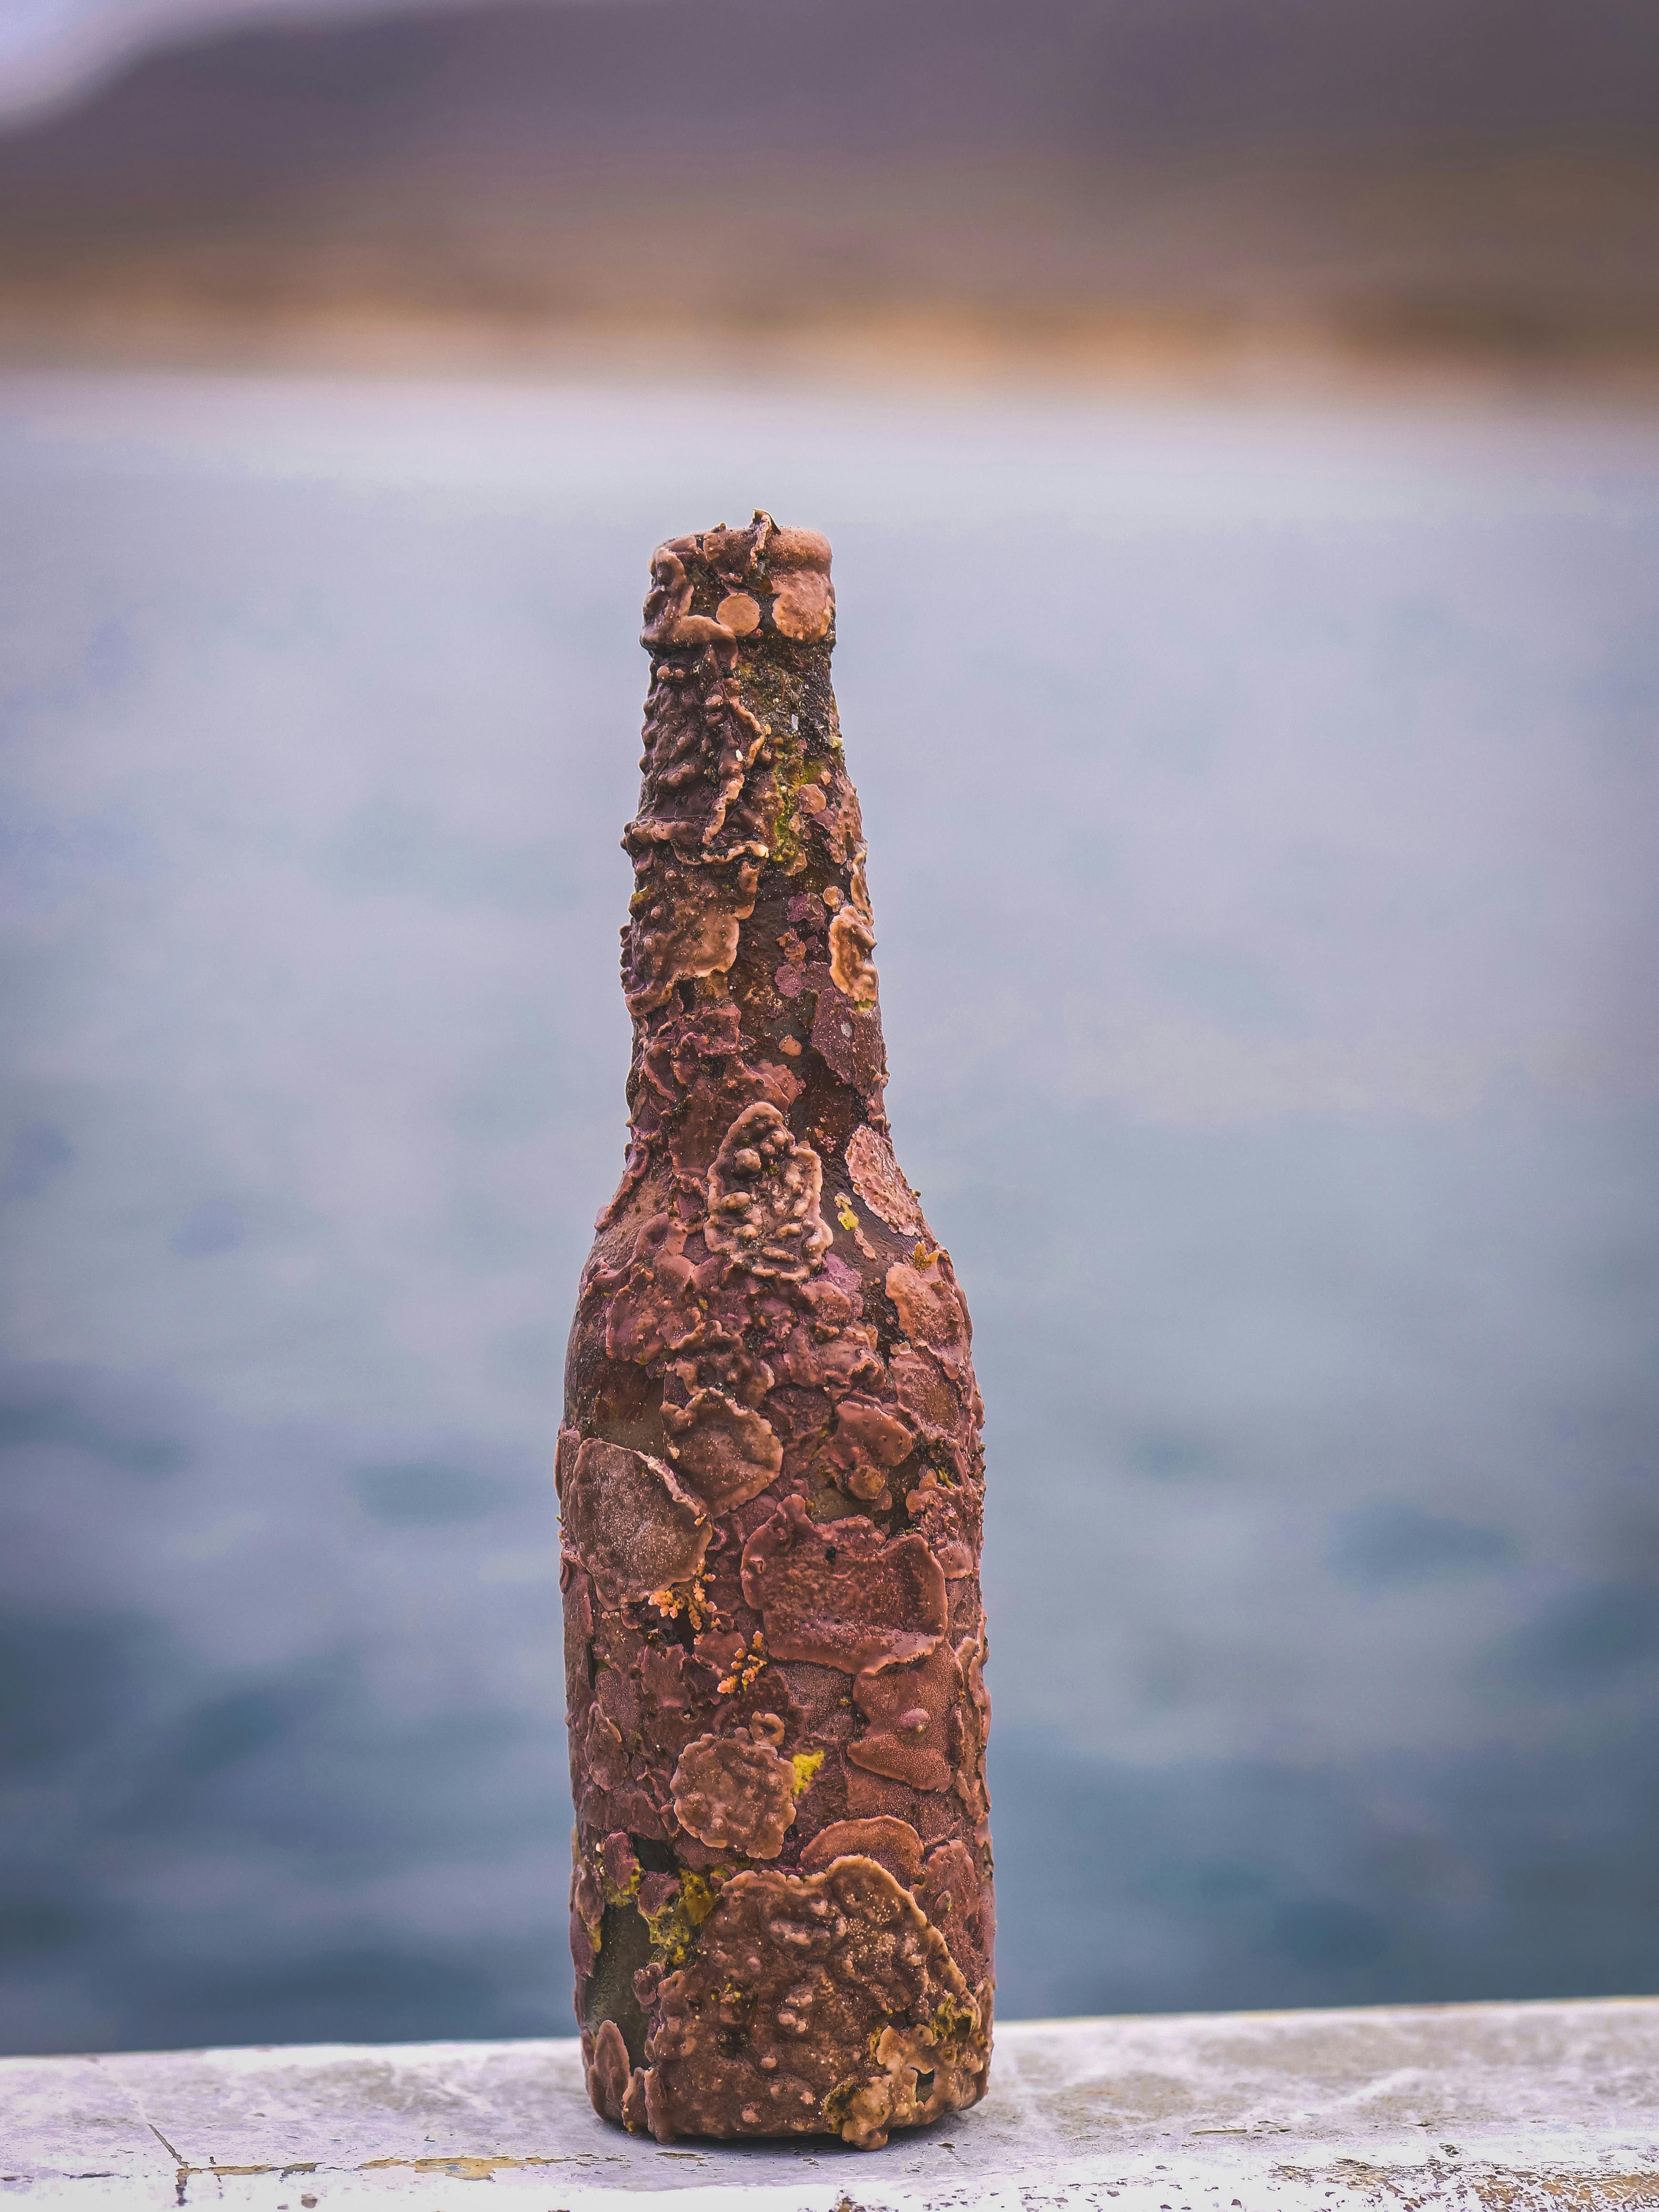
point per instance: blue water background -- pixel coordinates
(1262, 805)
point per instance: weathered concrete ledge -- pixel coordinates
(1505, 2107)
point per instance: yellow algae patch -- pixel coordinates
(673, 1927)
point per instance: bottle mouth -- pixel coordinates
(749, 580)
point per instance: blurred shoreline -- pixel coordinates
(1311, 196)
(1130, 354)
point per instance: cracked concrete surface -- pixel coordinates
(1477, 2108)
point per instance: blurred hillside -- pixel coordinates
(1098, 180)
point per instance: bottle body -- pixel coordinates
(770, 1470)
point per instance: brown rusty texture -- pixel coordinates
(770, 1472)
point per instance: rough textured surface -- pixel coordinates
(738, 1795)
(770, 1468)
(789, 1976)
(1477, 2108)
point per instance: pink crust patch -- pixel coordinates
(851, 941)
(655, 1311)
(793, 1980)
(821, 1355)
(616, 1857)
(685, 925)
(931, 1312)
(740, 612)
(958, 1904)
(806, 599)
(970, 1774)
(847, 1033)
(840, 1595)
(802, 608)
(867, 1443)
(564, 1456)
(608, 2072)
(892, 1844)
(668, 624)
(909, 1706)
(879, 1181)
(763, 1192)
(604, 1755)
(578, 1632)
(629, 1523)
(919, 1384)
(734, 1795)
(725, 1452)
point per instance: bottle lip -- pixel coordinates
(773, 577)
(735, 554)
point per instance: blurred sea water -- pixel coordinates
(1263, 807)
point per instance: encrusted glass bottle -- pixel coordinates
(770, 1470)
